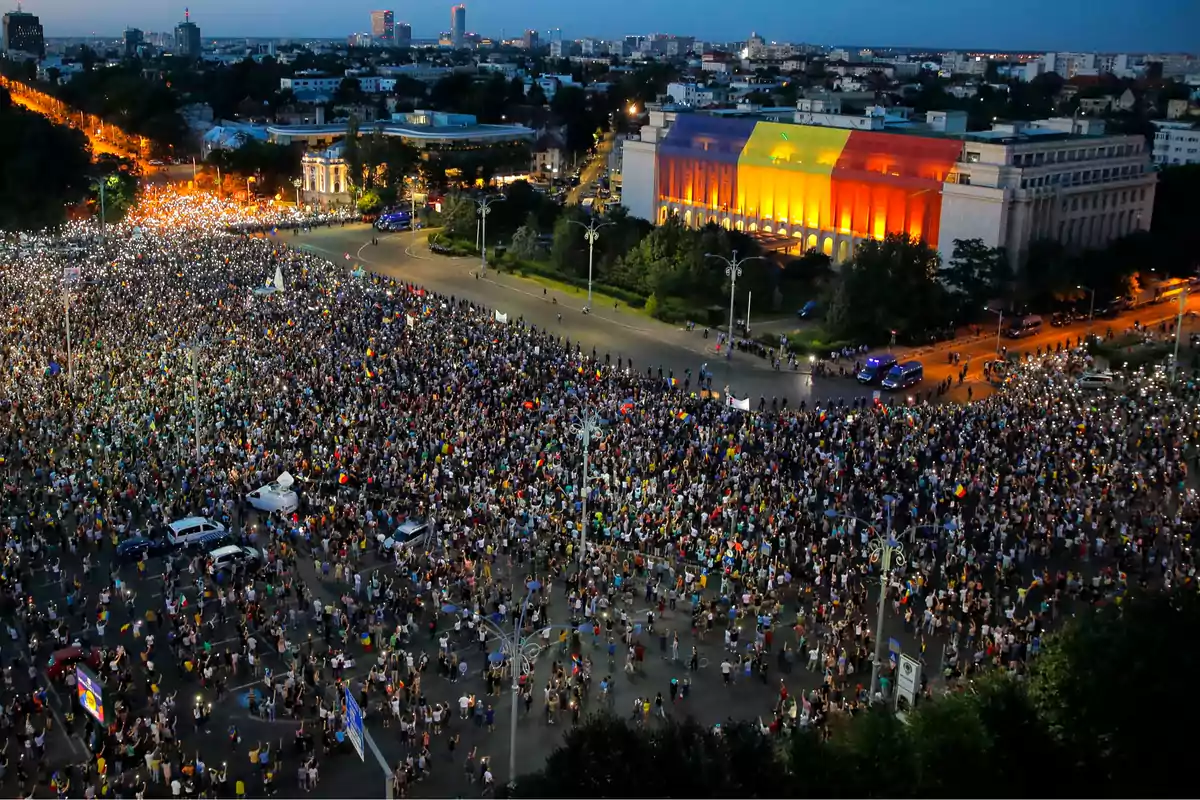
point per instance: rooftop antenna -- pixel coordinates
(187, 14)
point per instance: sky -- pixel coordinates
(1015, 25)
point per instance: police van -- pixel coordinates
(411, 533)
(902, 376)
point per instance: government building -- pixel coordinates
(839, 179)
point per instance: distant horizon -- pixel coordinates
(1035, 25)
(205, 37)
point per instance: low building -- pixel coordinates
(324, 176)
(550, 155)
(1176, 143)
(230, 136)
(811, 186)
(425, 130)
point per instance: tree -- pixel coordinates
(458, 216)
(567, 246)
(607, 757)
(525, 245)
(888, 285)
(1099, 686)
(813, 265)
(44, 167)
(370, 202)
(352, 154)
(975, 274)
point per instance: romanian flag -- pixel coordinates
(822, 417)
(367, 371)
(599, 375)
(576, 665)
(528, 405)
(343, 478)
(960, 492)
(125, 627)
(446, 449)
(683, 416)
(370, 353)
(541, 462)
(672, 381)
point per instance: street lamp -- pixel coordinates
(511, 647)
(297, 183)
(887, 551)
(485, 208)
(733, 270)
(586, 429)
(999, 326)
(249, 181)
(591, 234)
(1091, 308)
(881, 548)
(1178, 332)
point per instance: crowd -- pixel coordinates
(182, 388)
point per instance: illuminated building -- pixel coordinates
(458, 24)
(800, 187)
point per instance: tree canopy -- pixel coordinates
(1086, 721)
(44, 167)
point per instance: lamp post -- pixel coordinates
(733, 270)
(485, 208)
(249, 181)
(586, 429)
(590, 234)
(881, 548)
(1091, 308)
(297, 183)
(511, 647)
(1178, 332)
(999, 326)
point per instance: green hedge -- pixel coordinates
(812, 340)
(458, 247)
(522, 267)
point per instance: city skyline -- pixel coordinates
(1025, 25)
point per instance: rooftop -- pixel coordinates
(441, 132)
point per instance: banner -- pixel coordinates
(411, 320)
(502, 318)
(741, 405)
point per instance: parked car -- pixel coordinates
(64, 660)
(224, 558)
(1096, 380)
(135, 548)
(277, 495)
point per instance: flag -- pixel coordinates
(820, 419)
(541, 462)
(446, 449)
(627, 405)
(370, 353)
(672, 381)
(683, 416)
(960, 492)
(501, 318)
(528, 405)
(367, 370)
(599, 375)
(741, 405)
(125, 627)
(575, 664)
(343, 478)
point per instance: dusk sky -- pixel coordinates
(1101, 25)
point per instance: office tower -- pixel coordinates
(403, 34)
(458, 24)
(133, 40)
(531, 40)
(383, 28)
(23, 34)
(187, 38)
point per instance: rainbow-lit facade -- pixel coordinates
(827, 188)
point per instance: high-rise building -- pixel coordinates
(23, 34)
(458, 24)
(403, 33)
(383, 27)
(133, 40)
(187, 38)
(531, 40)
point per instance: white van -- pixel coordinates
(411, 533)
(195, 531)
(277, 495)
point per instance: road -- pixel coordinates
(974, 351)
(103, 137)
(615, 333)
(591, 171)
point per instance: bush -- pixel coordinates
(813, 340)
(522, 267)
(652, 305)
